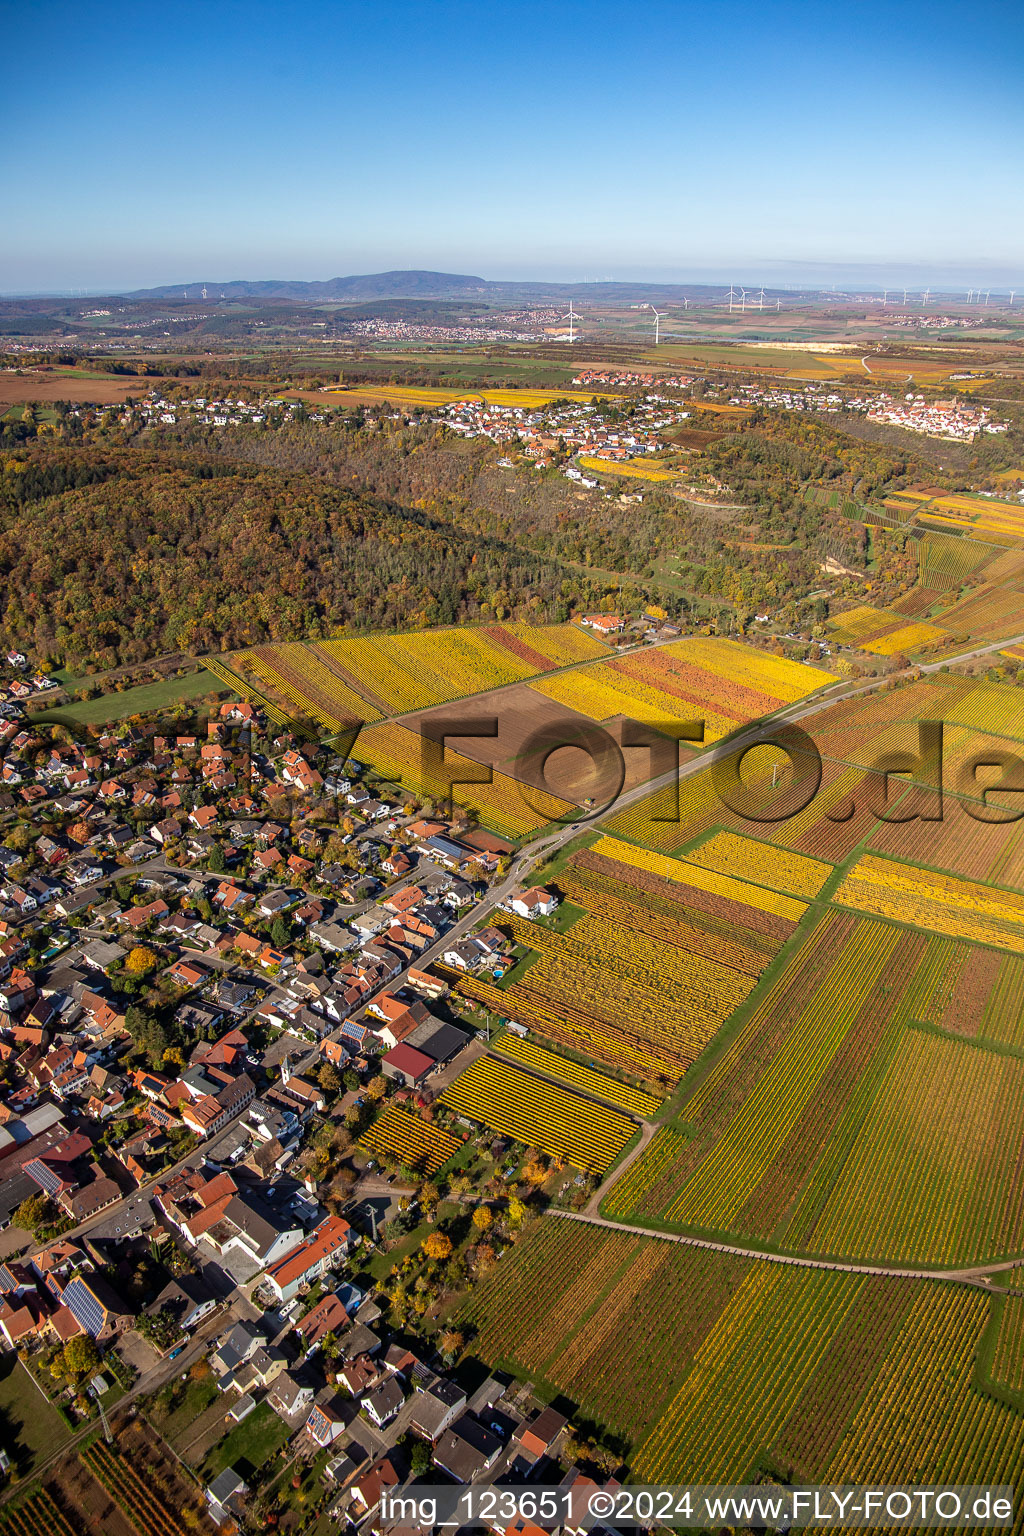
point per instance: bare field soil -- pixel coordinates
(30, 388)
(528, 724)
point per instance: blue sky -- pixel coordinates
(150, 144)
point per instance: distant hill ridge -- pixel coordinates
(376, 285)
(421, 285)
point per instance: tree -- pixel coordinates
(216, 863)
(280, 931)
(34, 1213)
(450, 1343)
(420, 1458)
(18, 838)
(81, 1355)
(148, 1035)
(141, 960)
(516, 1212)
(436, 1245)
(377, 1087)
(351, 1080)
(483, 1218)
(329, 1080)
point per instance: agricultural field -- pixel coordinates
(418, 396)
(1008, 1352)
(636, 469)
(37, 1515)
(574, 1075)
(989, 612)
(783, 1076)
(721, 682)
(131, 1488)
(403, 672)
(646, 978)
(938, 903)
(706, 876)
(540, 1114)
(761, 864)
(147, 1512)
(846, 811)
(944, 562)
(396, 753)
(885, 633)
(991, 709)
(789, 1089)
(932, 1174)
(304, 681)
(975, 517)
(870, 1105)
(415, 1143)
(737, 1363)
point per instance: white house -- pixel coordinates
(535, 902)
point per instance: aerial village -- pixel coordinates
(205, 998)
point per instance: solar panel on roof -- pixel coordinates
(42, 1174)
(82, 1303)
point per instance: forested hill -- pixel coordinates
(118, 543)
(169, 556)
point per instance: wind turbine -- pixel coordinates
(1012, 292)
(743, 301)
(760, 302)
(204, 290)
(686, 302)
(924, 300)
(904, 295)
(885, 297)
(657, 323)
(732, 295)
(778, 305)
(970, 295)
(987, 292)
(572, 322)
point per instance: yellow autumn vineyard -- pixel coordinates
(761, 863)
(598, 1084)
(686, 873)
(539, 1114)
(411, 671)
(962, 909)
(399, 1134)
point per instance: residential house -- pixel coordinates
(537, 901)
(436, 1409)
(384, 1402)
(289, 1397)
(323, 1250)
(324, 1425)
(466, 1450)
